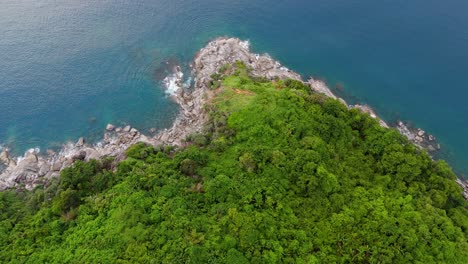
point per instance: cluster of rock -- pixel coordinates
(222, 51)
(418, 137)
(464, 185)
(34, 169)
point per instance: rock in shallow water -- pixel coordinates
(80, 142)
(5, 157)
(421, 132)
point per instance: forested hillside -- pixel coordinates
(280, 175)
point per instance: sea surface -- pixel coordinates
(69, 67)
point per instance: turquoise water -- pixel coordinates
(67, 68)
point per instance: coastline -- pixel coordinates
(34, 169)
(416, 135)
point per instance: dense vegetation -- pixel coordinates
(281, 175)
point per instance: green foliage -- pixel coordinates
(297, 85)
(198, 139)
(280, 175)
(215, 84)
(139, 151)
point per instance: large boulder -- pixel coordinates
(29, 163)
(80, 142)
(127, 129)
(92, 154)
(6, 159)
(26, 171)
(5, 156)
(44, 168)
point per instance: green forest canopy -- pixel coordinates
(280, 175)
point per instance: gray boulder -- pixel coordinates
(80, 142)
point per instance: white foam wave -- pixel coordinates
(245, 44)
(188, 82)
(173, 82)
(35, 150)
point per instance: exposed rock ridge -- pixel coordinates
(223, 51)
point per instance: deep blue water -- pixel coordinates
(67, 68)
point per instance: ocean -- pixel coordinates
(67, 68)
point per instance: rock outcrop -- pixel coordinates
(368, 110)
(418, 137)
(34, 169)
(224, 51)
(320, 86)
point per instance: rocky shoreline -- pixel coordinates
(416, 135)
(34, 169)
